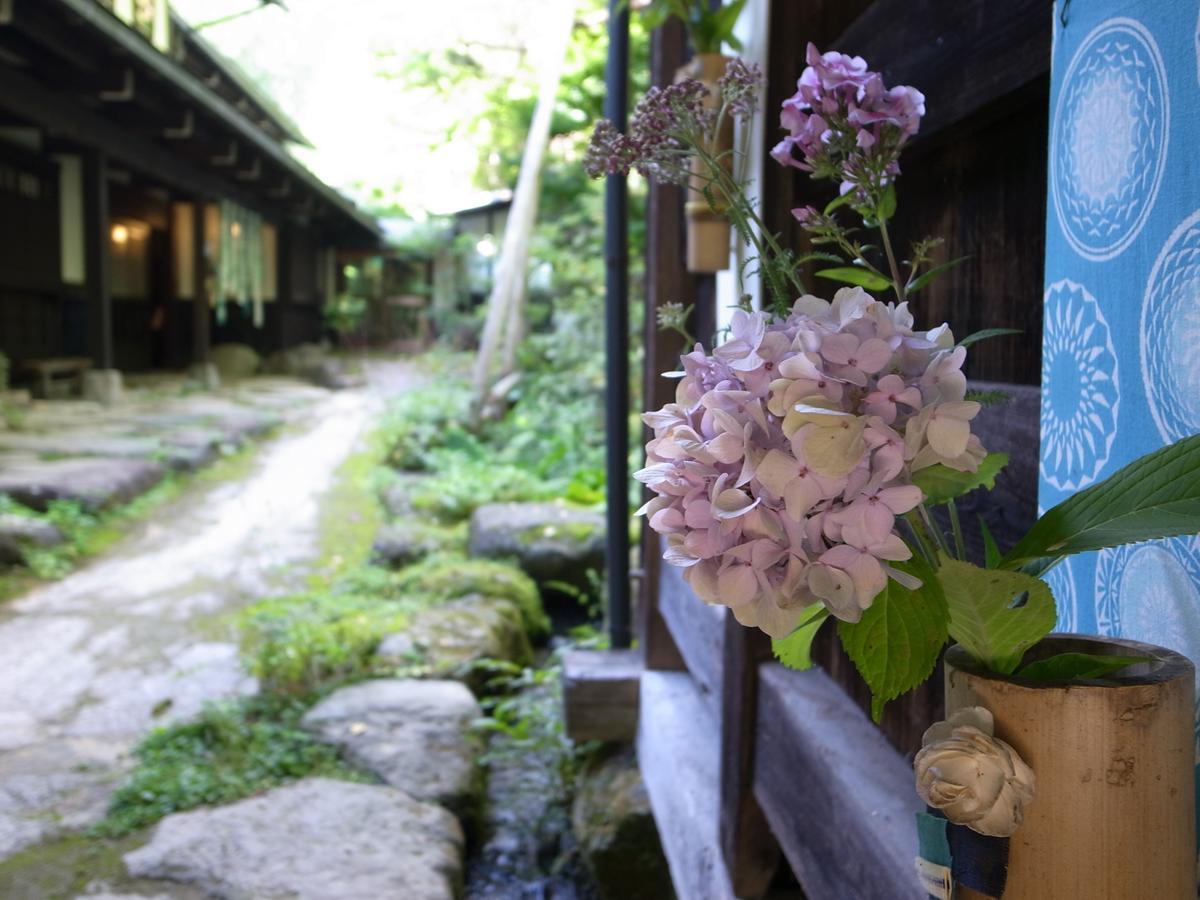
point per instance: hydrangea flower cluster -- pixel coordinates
(788, 453)
(847, 125)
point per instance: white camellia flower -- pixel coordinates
(974, 778)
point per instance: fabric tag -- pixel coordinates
(936, 880)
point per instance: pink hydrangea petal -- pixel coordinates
(873, 355)
(901, 498)
(733, 503)
(948, 436)
(737, 585)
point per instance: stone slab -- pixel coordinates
(317, 839)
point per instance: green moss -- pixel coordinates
(234, 749)
(62, 869)
(573, 532)
(350, 514)
(443, 578)
(299, 644)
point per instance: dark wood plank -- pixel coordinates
(667, 281)
(963, 54)
(751, 851)
(698, 631)
(678, 754)
(839, 798)
(600, 694)
(97, 257)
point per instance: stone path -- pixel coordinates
(141, 636)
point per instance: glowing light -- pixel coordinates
(486, 246)
(120, 234)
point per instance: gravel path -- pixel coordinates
(141, 635)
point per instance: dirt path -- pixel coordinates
(143, 635)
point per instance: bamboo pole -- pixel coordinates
(1113, 812)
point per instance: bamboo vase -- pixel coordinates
(1113, 813)
(708, 231)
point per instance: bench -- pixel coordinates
(44, 371)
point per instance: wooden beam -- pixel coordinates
(750, 850)
(678, 757)
(185, 129)
(251, 174)
(698, 630)
(197, 93)
(228, 158)
(201, 304)
(77, 125)
(667, 281)
(838, 797)
(962, 55)
(600, 694)
(122, 94)
(97, 257)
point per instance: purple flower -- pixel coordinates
(789, 452)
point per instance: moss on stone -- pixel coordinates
(442, 578)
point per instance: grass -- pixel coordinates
(234, 749)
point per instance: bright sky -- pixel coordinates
(321, 61)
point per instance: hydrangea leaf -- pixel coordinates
(995, 614)
(1155, 496)
(795, 650)
(941, 484)
(1076, 666)
(896, 643)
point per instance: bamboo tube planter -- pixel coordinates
(1113, 813)
(708, 231)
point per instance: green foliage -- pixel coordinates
(986, 332)
(297, 645)
(708, 27)
(872, 281)
(1155, 496)
(897, 642)
(439, 579)
(345, 314)
(941, 484)
(1064, 667)
(996, 615)
(795, 650)
(234, 749)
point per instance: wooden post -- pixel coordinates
(1113, 811)
(201, 305)
(750, 850)
(97, 256)
(667, 281)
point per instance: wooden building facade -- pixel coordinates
(148, 205)
(766, 780)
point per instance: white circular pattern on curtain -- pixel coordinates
(1062, 585)
(1109, 145)
(1170, 334)
(1148, 592)
(1081, 393)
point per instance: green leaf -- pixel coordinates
(896, 643)
(991, 552)
(838, 202)
(1076, 666)
(1155, 496)
(795, 650)
(985, 334)
(922, 280)
(818, 255)
(941, 484)
(852, 275)
(887, 204)
(989, 398)
(995, 614)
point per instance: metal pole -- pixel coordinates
(616, 322)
